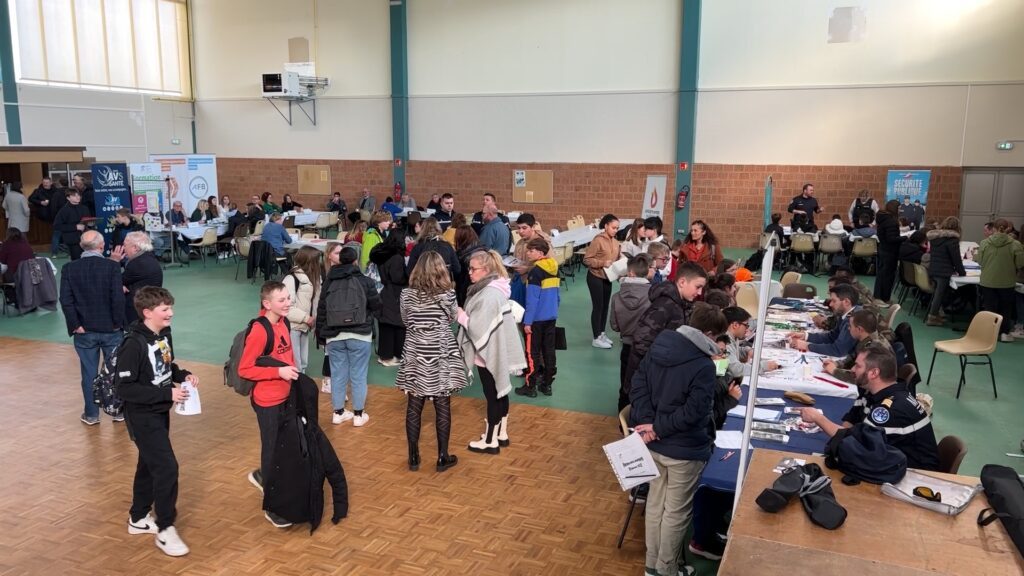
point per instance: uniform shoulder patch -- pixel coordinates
(880, 415)
(887, 402)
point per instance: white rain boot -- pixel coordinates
(488, 442)
(503, 433)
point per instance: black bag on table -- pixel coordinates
(1005, 493)
(861, 453)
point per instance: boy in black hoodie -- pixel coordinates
(146, 375)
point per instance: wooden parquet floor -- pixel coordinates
(547, 505)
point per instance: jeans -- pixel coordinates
(300, 348)
(350, 360)
(88, 346)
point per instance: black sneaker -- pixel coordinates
(276, 520)
(256, 479)
(711, 552)
(526, 390)
(545, 389)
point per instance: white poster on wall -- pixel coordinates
(654, 196)
(148, 188)
(193, 177)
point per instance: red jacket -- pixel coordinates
(270, 389)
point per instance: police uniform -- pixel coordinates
(808, 205)
(907, 426)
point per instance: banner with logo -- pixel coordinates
(110, 181)
(148, 188)
(654, 196)
(193, 177)
(910, 189)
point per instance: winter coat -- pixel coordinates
(371, 238)
(628, 305)
(945, 254)
(391, 266)
(708, 257)
(444, 249)
(39, 195)
(489, 332)
(16, 208)
(542, 292)
(67, 221)
(674, 389)
(1000, 257)
(143, 270)
(304, 299)
(373, 303)
(888, 231)
(667, 311)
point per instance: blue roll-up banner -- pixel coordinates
(110, 180)
(910, 189)
(768, 189)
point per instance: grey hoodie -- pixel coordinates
(628, 305)
(702, 342)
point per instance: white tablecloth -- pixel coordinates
(319, 244)
(197, 232)
(580, 236)
(307, 218)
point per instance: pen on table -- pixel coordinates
(832, 382)
(727, 455)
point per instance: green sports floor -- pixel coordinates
(211, 307)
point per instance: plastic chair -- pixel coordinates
(566, 265)
(634, 492)
(293, 232)
(801, 243)
(980, 340)
(951, 453)
(906, 373)
(203, 245)
(790, 278)
(323, 222)
(893, 310)
(241, 253)
(906, 277)
(747, 297)
(828, 245)
(797, 290)
(865, 249)
(310, 236)
(924, 285)
(258, 229)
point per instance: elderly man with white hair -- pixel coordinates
(141, 268)
(92, 299)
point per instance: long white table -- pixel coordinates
(194, 233)
(306, 218)
(581, 236)
(319, 243)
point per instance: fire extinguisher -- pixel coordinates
(681, 198)
(398, 192)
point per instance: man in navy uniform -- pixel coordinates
(889, 406)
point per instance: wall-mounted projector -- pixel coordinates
(282, 85)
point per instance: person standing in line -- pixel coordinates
(432, 366)
(490, 341)
(389, 257)
(46, 209)
(145, 378)
(16, 207)
(466, 244)
(303, 284)
(69, 222)
(366, 202)
(380, 225)
(430, 239)
(140, 269)
(889, 241)
(603, 250)
(1000, 257)
(945, 261)
(92, 299)
(628, 305)
(344, 322)
(542, 300)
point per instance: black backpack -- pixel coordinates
(231, 377)
(1005, 493)
(345, 303)
(104, 385)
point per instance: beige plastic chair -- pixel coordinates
(258, 229)
(323, 222)
(293, 232)
(980, 340)
(341, 237)
(747, 297)
(801, 243)
(798, 290)
(242, 253)
(790, 278)
(865, 248)
(203, 245)
(829, 244)
(951, 453)
(924, 284)
(891, 317)
(568, 265)
(310, 236)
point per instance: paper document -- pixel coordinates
(631, 461)
(617, 269)
(729, 439)
(761, 414)
(189, 407)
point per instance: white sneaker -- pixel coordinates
(1018, 332)
(361, 419)
(1006, 338)
(345, 416)
(325, 388)
(598, 343)
(605, 338)
(147, 525)
(391, 363)
(171, 544)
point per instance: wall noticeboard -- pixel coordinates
(314, 179)
(533, 186)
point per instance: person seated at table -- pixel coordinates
(725, 282)
(738, 351)
(123, 224)
(776, 228)
(435, 202)
(215, 209)
(390, 206)
(886, 404)
(287, 204)
(944, 262)
(267, 203)
(275, 235)
(254, 215)
(863, 229)
(661, 257)
(838, 341)
(202, 213)
(226, 206)
(237, 217)
(672, 395)
(914, 248)
(337, 204)
(407, 202)
(176, 215)
(864, 329)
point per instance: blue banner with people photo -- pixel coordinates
(110, 181)
(910, 189)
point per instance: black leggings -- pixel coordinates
(391, 342)
(497, 408)
(1002, 301)
(600, 296)
(442, 415)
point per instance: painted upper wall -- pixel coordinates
(775, 43)
(539, 46)
(237, 41)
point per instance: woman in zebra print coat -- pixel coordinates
(432, 363)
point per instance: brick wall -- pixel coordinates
(729, 197)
